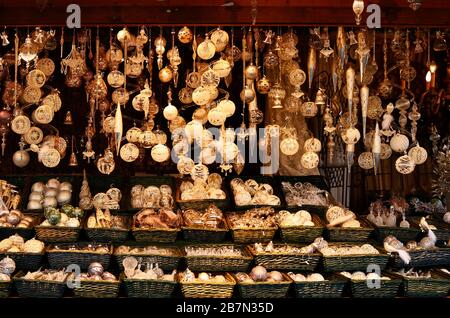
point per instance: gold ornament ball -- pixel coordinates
(263, 86)
(160, 153)
(185, 35)
(21, 158)
(247, 95)
(251, 72)
(170, 112)
(165, 75)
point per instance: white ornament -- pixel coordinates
(160, 153)
(399, 142)
(310, 160)
(365, 160)
(312, 144)
(405, 164)
(418, 154)
(170, 112)
(289, 146)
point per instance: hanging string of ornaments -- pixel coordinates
(30, 103)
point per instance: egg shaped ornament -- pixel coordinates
(7, 266)
(263, 85)
(351, 136)
(222, 68)
(405, 164)
(220, 39)
(289, 146)
(95, 269)
(418, 154)
(132, 134)
(216, 117)
(227, 106)
(185, 35)
(310, 160)
(386, 151)
(251, 72)
(170, 112)
(365, 160)
(247, 95)
(312, 144)
(309, 109)
(399, 143)
(21, 158)
(165, 74)
(160, 153)
(206, 50)
(201, 96)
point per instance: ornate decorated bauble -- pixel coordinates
(222, 68)
(199, 172)
(147, 139)
(42, 115)
(365, 160)
(33, 136)
(53, 100)
(161, 137)
(251, 72)
(310, 160)
(140, 102)
(351, 136)
(170, 112)
(185, 165)
(36, 78)
(312, 144)
(120, 96)
(201, 96)
(165, 75)
(193, 79)
(205, 139)
(160, 153)
(20, 124)
(185, 35)
(185, 95)
(386, 151)
(193, 129)
(405, 164)
(46, 65)
(309, 109)
(96, 268)
(297, 77)
(21, 158)
(220, 39)
(399, 142)
(216, 117)
(292, 104)
(177, 123)
(50, 157)
(200, 114)
(247, 95)
(227, 106)
(115, 79)
(289, 146)
(31, 95)
(108, 124)
(210, 78)
(256, 116)
(129, 152)
(263, 85)
(206, 50)
(418, 154)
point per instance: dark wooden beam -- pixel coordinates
(208, 15)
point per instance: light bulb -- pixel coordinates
(433, 67)
(358, 8)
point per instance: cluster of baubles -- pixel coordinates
(16, 244)
(53, 193)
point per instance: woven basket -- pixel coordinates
(222, 204)
(57, 234)
(166, 262)
(353, 262)
(192, 234)
(155, 235)
(264, 289)
(59, 259)
(26, 233)
(219, 263)
(401, 233)
(286, 261)
(436, 286)
(109, 235)
(442, 231)
(198, 289)
(146, 288)
(302, 234)
(38, 288)
(251, 235)
(5, 288)
(333, 287)
(359, 234)
(25, 261)
(386, 289)
(439, 256)
(97, 289)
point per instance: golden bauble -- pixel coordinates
(251, 72)
(165, 75)
(170, 112)
(247, 95)
(185, 35)
(263, 85)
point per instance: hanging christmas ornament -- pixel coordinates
(309, 109)
(106, 164)
(399, 142)
(160, 153)
(129, 152)
(309, 160)
(386, 151)
(350, 82)
(364, 95)
(227, 106)
(312, 60)
(160, 43)
(206, 50)
(185, 35)
(365, 160)
(222, 68)
(350, 136)
(418, 154)
(220, 39)
(20, 124)
(289, 146)
(376, 147)
(118, 128)
(405, 164)
(312, 144)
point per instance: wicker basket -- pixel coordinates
(192, 234)
(146, 288)
(359, 234)
(97, 289)
(442, 231)
(57, 234)
(353, 262)
(222, 204)
(264, 289)
(25, 261)
(155, 235)
(60, 258)
(439, 256)
(302, 234)
(386, 289)
(332, 287)
(197, 289)
(219, 263)
(109, 235)
(166, 262)
(286, 261)
(38, 288)
(5, 288)
(436, 286)
(402, 234)
(26, 233)
(251, 235)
